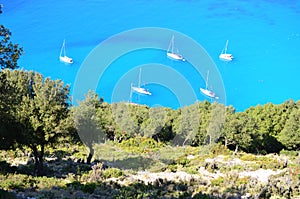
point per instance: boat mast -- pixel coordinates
(226, 46)
(207, 79)
(140, 77)
(130, 96)
(64, 47)
(172, 43)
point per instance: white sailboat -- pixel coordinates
(63, 56)
(139, 89)
(171, 54)
(208, 92)
(224, 55)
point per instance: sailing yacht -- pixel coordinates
(224, 55)
(63, 57)
(171, 54)
(139, 89)
(208, 92)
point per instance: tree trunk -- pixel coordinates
(35, 155)
(236, 150)
(38, 161)
(40, 171)
(89, 158)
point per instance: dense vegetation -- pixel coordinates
(262, 129)
(36, 118)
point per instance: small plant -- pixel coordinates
(141, 145)
(217, 182)
(112, 173)
(248, 157)
(191, 170)
(289, 153)
(219, 149)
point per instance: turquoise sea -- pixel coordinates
(264, 37)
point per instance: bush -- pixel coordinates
(217, 182)
(289, 153)
(219, 149)
(15, 182)
(140, 144)
(112, 173)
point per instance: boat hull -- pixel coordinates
(141, 90)
(66, 59)
(175, 56)
(208, 93)
(226, 57)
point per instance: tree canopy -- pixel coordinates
(9, 52)
(37, 111)
(87, 123)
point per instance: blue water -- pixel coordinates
(264, 37)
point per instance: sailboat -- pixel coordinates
(139, 89)
(171, 54)
(224, 55)
(63, 57)
(208, 92)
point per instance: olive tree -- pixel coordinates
(39, 110)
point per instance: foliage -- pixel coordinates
(9, 52)
(219, 149)
(39, 109)
(35, 114)
(217, 182)
(23, 182)
(140, 144)
(289, 153)
(106, 121)
(290, 135)
(93, 183)
(112, 173)
(261, 129)
(86, 122)
(239, 130)
(270, 120)
(164, 128)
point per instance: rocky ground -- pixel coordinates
(189, 176)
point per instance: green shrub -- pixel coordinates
(182, 161)
(217, 182)
(219, 149)
(289, 153)
(48, 182)
(140, 144)
(248, 157)
(242, 181)
(191, 170)
(171, 168)
(112, 173)
(17, 182)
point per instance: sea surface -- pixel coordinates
(264, 38)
